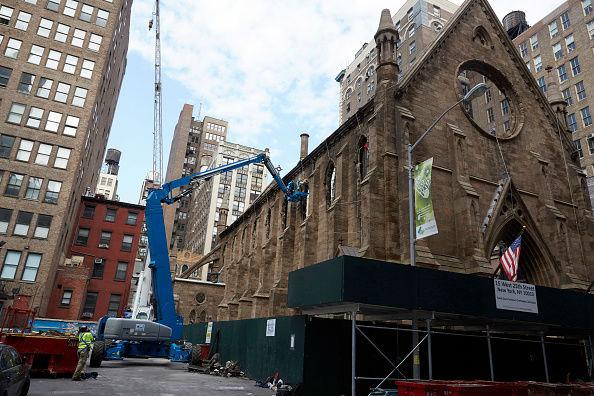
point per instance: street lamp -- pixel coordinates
(477, 90)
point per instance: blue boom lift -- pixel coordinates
(118, 338)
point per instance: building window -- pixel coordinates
(569, 43)
(11, 263)
(114, 305)
(586, 116)
(105, 239)
(35, 54)
(23, 20)
(523, 49)
(5, 216)
(62, 33)
(127, 243)
(35, 116)
(53, 121)
(43, 154)
(330, 184)
(5, 14)
(562, 72)
(578, 147)
(53, 192)
(33, 188)
(95, 42)
(26, 83)
(538, 63)
(553, 29)
(580, 90)
(412, 47)
(13, 187)
(6, 143)
(80, 95)
(66, 298)
(363, 154)
(43, 226)
(110, 215)
(284, 214)
(587, 7)
(78, 38)
(44, 87)
(23, 222)
(5, 73)
(557, 51)
(15, 115)
(575, 66)
(505, 106)
(591, 144)
(411, 30)
(62, 157)
(542, 84)
(82, 238)
(567, 96)
(102, 17)
(88, 212)
(506, 125)
(121, 271)
(70, 64)
(31, 267)
(70, 8)
(490, 115)
(534, 42)
(24, 152)
(132, 218)
(98, 268)
(565, 22)
(71, 125)
(45, 27)
(86, 12)
(62, 92)
(53, 5)
(12, 48)
(590, 27)
(90, 303)
(87, 68)
(53, 59)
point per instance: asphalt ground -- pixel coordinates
(147, 377)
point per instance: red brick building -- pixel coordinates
(95, 280)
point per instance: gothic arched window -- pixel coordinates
(304, 202)
(363, 148)
(285, 214)
(267, 222)
(330, 184)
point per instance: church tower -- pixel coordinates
(386, 39)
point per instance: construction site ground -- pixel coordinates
(147, 377)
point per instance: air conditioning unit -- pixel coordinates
(98, 260)
(87, 315)
(103, 245)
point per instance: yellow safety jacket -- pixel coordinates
(85, 340)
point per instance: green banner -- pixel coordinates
(424, 215)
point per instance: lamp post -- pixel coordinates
(477, 90)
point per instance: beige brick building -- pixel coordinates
(564, 40)
(61, 67)
(358, 195)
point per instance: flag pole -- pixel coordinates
(498, 269)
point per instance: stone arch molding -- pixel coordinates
(507, 215)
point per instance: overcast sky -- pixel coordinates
(267, 67)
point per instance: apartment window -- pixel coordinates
(411, 30)
(114, 305)
(13, 187)
(587, 7)
(53, 191)
(23, 222)
(80, 95)
(23, 20)
(575, 66)
(565, 22)
(591, 144)
(538, 63)
(53, 121)
(12, 48)
(11, 263)
(569, 43)
(110, 215)
(53, 5)
(66, 297)
(127, 243)
(488, 95)
(82, 238)
(90, 304)
(590, 26)
(62, 92)
(121, 271)
(98, 268)
(71, 125)
(43, 225)
(507, 125)
(62, 158)
(15, 115)
(553, 30)
(45, 27)
(557, 51)
(70, 8)
(105, 239)
(132, 218)
(24, 152)
(542, 84)
(33, 188)
(26, 83)
(86, 12)
(70, 64)
(5, 14)
(87, 68)
(53, 59)
(5, 73)
(44, 87)
(95, 42)
(35, 115)
(567, 96)
(534, 42)
(578, 147)
(35, 54)
(490, 115)
(412, 47)
(62, 33)
(580, 90)
(43, 154)
(5, 216)
(78, 38)
(523, 49)
(562, 72)
(586, 116)
(505, 106)
(6, 143)
(88, 212)
(102, 17)
(31, 267)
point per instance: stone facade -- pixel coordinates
(198, 300)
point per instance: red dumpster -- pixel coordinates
(204, 351)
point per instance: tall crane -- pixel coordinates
(158, 110)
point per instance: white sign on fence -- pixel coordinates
(208, 333)
(270, 327)
(515, 296)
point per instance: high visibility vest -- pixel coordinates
(85, 340)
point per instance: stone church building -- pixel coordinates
(489, 181)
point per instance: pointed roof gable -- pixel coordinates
(386, 22)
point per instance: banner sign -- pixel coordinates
(515, 296)
(208, 333)
(270, 327)
(424, 215)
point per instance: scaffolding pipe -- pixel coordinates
(429, 352)
(353, 353)
(490, 354)
(544, 357)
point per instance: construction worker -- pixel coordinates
(85, 342)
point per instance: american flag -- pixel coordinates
(510, 259)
